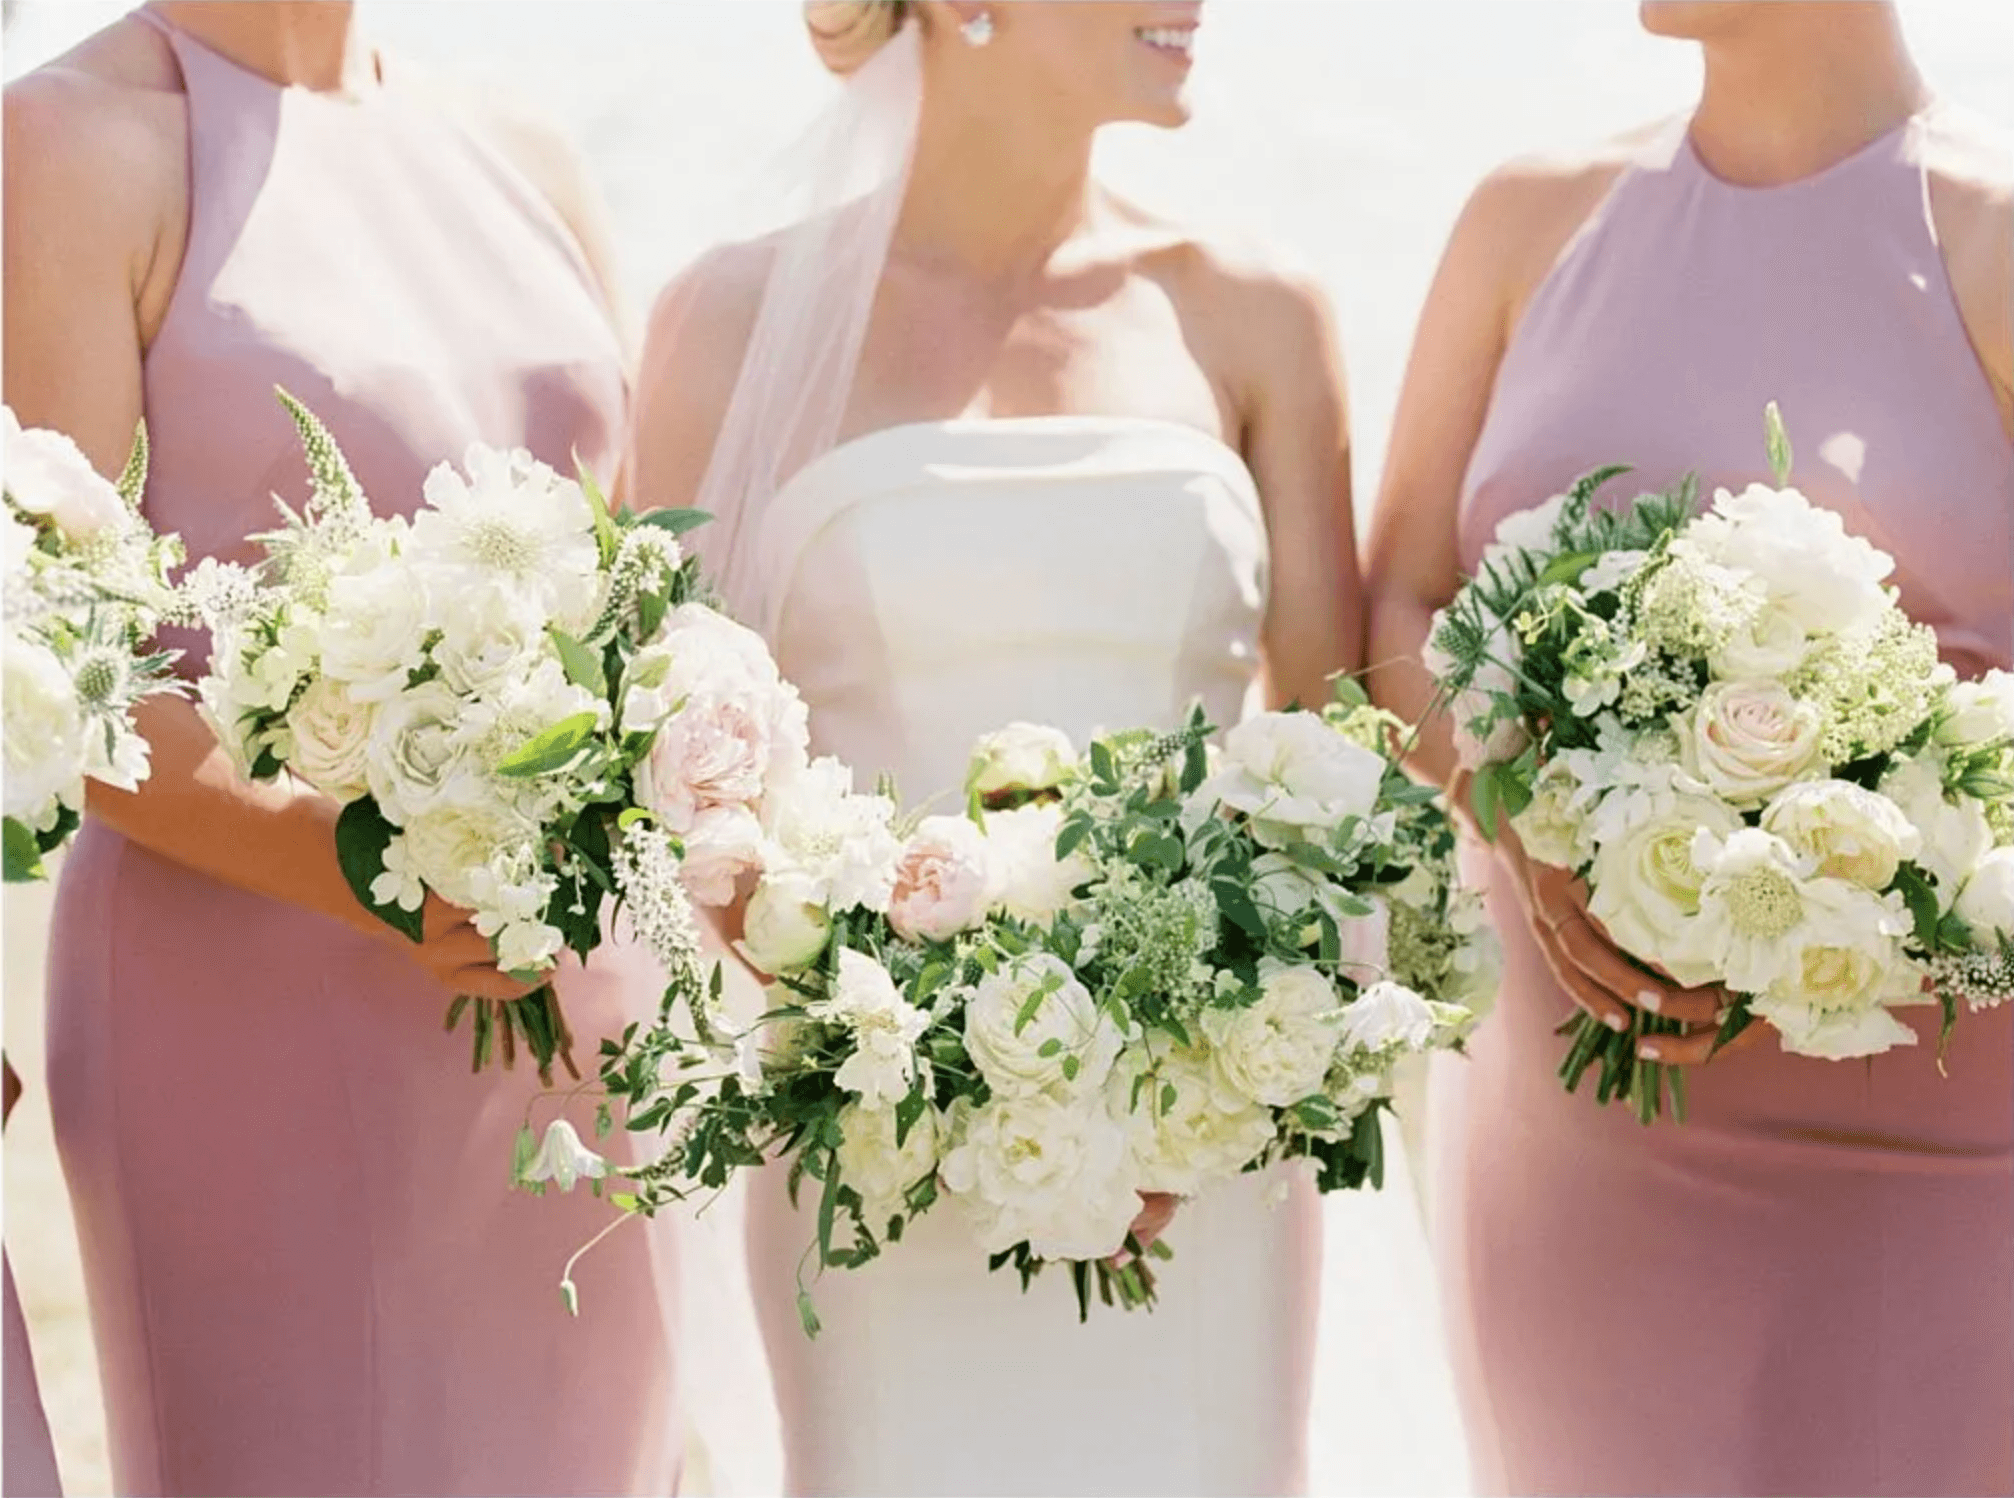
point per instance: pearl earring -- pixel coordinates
(979, 30)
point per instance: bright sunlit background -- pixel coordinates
(1350, 130)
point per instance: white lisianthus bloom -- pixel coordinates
(418, 758)
(1186, 1128)
(489, 628)
(722, 844)
(1056, 1175)
(1553, 827)
(44, 732)
(1828, 581)
(1955, 832)
(373, 633)
(446, 846)
(942, 882)
(781, 934)
(1032, 1027)
(1747, 740)
(884, 1026)
(1979, 712)
(48, 474)
(1293, 774)
(526, 946)
(1029, 882)
(331, 733)
(1387, 1014)
(881, 1170)
(1021, 757)
(1277, 1049)
(1986, 904)
(514, 519)
(563, 1159)
(833, 846)
(1850, 832)
(398, 882)
(1644, 888)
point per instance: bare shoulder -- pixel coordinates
(110, 114)
(1970, 166)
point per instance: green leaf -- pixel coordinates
(1776, 441)
(583, 666)
(362, 835)
(24, 854)
(676, 522)
(1053, 1046)
(555, 749)
(605, 536)
(1102, 766)
(1071, 835)
(1235, 901)
(1921, 897)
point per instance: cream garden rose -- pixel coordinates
(332, 734)
(1021, 757)
(874, 1164)
(1185, 1126)
(1645, 887)
(1277, 1050)
(1745, 741)
(1031, 1027)
(1054, 1174)
(1850, 832)
(942, 882)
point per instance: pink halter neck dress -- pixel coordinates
(1809, 1286)
(308, 1271)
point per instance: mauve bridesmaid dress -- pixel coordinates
(307, 1269)
(1808, 1288)
(27, 1454)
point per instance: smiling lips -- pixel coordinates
(1173, 41)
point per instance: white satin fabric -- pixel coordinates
(928, 583)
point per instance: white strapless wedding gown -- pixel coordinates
(926, 584)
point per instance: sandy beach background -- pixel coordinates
(1351, 130)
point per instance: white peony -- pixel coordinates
(47, 474)
(1986, 904)
(43, 726)
(1850, 832)
(446, 846)
(1186, 1128)
(488, 630)
(1032, 1027)
(781, 934)
(1029, 882)
(881, 1170)
(832, 846)
(1056, 1175)
(943, 881)
(372, 635)
(1644, 888)
(1294, 774)
(512, 519)
(1277, 1049)
(884, 1026)
(1021, 757)
(331, 739)
(1828, 581)
(1806, 1029)
(419, 760)
(1955, 833)
(1747, 740)
(1387, 1014)
(1980, 712)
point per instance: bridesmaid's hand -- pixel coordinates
(459, 956)
(1157, 1210)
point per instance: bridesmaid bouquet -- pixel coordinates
(1725, 724)
(1139, 971)
(86, 585)
(504, 692)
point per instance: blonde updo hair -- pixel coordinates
(849, 32)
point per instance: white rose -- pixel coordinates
(1828, 581)
(1771, 646)
(831, 845)
(47, 474)
(1644, 888)
(1748, 740)
(488, 629)
(447, 846)
(1986, 904)
(1186, 1128)
(1032, 1027)
(331, 734)
(1851, 833)
(1955, 834)
(1055, 1175)
(723, 843)
(1030, 882)
(1292, 774)
(1277, 1050)
(44, 733)
(884, 1027)
(1979, 712)
(873, 1164)
(942, 882)
(781, 934)
(1553, 827)
(1387, 1014)
(1021, 757)
(374, 630)
(418, 758)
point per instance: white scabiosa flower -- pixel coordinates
(514, 519)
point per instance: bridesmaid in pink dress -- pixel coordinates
(307, 1270)
(1809, 1286)
(27, 1456)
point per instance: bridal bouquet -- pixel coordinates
(1725, 724)
(500, 691)
(86, 585)
(1144, 970)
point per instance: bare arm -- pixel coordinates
(1971, 168)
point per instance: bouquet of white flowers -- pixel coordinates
(1135, 972)
(86, 585)
(1725, 724)
(501, 690)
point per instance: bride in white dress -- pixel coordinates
(1078, 467)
